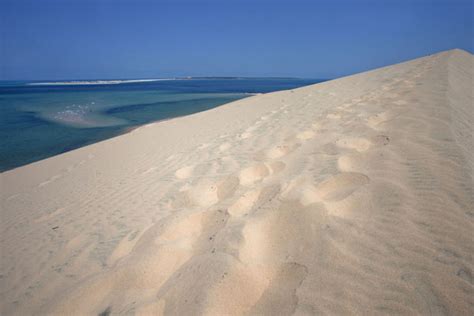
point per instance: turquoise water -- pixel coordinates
(42, 120)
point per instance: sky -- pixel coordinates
(72, 39)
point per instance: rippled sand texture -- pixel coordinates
(353, 196)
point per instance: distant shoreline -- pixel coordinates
(125, 81)
(94, 82)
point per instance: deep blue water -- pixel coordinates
(40, 121)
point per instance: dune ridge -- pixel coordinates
(352, 196)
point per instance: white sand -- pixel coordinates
(350, 196)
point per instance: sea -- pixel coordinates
(40, 119)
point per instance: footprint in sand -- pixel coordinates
(206, 193)
(187, 227)
(345, 163)
(167, 245)
(253, 200)
(316, 126)
(380, 140)
(267, 238)
(335, 188)
(340, 186)
(125, 246)
(375, 122)
(253, 173)
(357, 143)
(279, 151)
(302, 190)
(333, 116)
(244, 204)
(259, 171)
(224, 147)
(305, 135)
(245, 135)
(203, 146)
(251, 129)
(184, 172)
(279, 298)
(355, 161)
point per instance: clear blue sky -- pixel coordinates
(68, 39)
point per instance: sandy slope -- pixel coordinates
(350, 196)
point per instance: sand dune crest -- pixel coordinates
(352, 196)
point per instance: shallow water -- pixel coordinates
(42, 120)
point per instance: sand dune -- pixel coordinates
(353, 196)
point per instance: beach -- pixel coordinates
(39, 120)
(351, 196)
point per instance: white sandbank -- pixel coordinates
(353, 196)
(94, 82)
